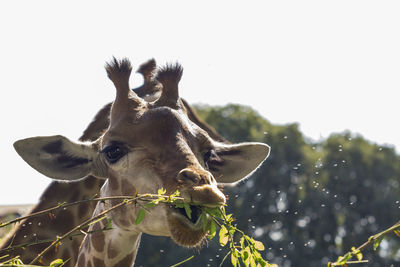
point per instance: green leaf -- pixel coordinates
(252, 262)
(357, 252)
(245, 253)
(187, 210)
(359, 256)
(205, 221)
(259, 245)
(176, 194)
(262, 262)
(56, 263)
(234, 259)
(140, 216)
(214, 212)
(397, 232)
(377, 242)
(256, 255)
(229, 218)
(242, 242)
(179, 205)
(109, 224)
(161, 191)
(343, 259)
(150, 205)
(212, 230)
(223, 236)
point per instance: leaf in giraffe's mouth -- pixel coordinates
(192, 213)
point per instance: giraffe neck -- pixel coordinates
(115, 247)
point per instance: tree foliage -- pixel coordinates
(309, 203)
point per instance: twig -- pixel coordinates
(126, 200)
(77, 228)
(366, 244)
(224, 259)
(179, 263)
(379, 235)
(65, 205)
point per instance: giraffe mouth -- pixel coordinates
(195, 213)
(186, 230)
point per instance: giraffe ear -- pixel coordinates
(59, 158)
(232, 163)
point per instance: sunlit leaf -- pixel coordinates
(252, 261)
(343, 259)
(257, 255)
(359, 256)
(397, 232)
(259, 245)
(357, 252)
(377, 242)
(214, 212)
(234, 259)
(56, 263)
(229, 218)
(161, 191)
(245, 253)
(262, 262)
(223, 236)
(242, 242)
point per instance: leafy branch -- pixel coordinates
(247, 252)
(374, 240)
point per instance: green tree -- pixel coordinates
(308, 203)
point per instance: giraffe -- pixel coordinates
(147, 146)
(40, 228)
(37, 229)
(34, 230)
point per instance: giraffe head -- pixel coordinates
(148, 146)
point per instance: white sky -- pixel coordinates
(328, 65)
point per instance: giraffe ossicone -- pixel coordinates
(148, 145)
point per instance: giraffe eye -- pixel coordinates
(114, 152)
(209, 155)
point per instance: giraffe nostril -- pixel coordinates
(188, 175)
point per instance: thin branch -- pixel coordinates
(65, 205)
(224, 259)
(182, 262)
(379, 235)
(368, 243)
(126, 200)
(77, 228)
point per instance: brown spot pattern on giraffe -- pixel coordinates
(111, 252)
(65, 218)
(127, 188)
(83, 208)
(125, 262)
(81, 260)
(97, 241)
(98, 263)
